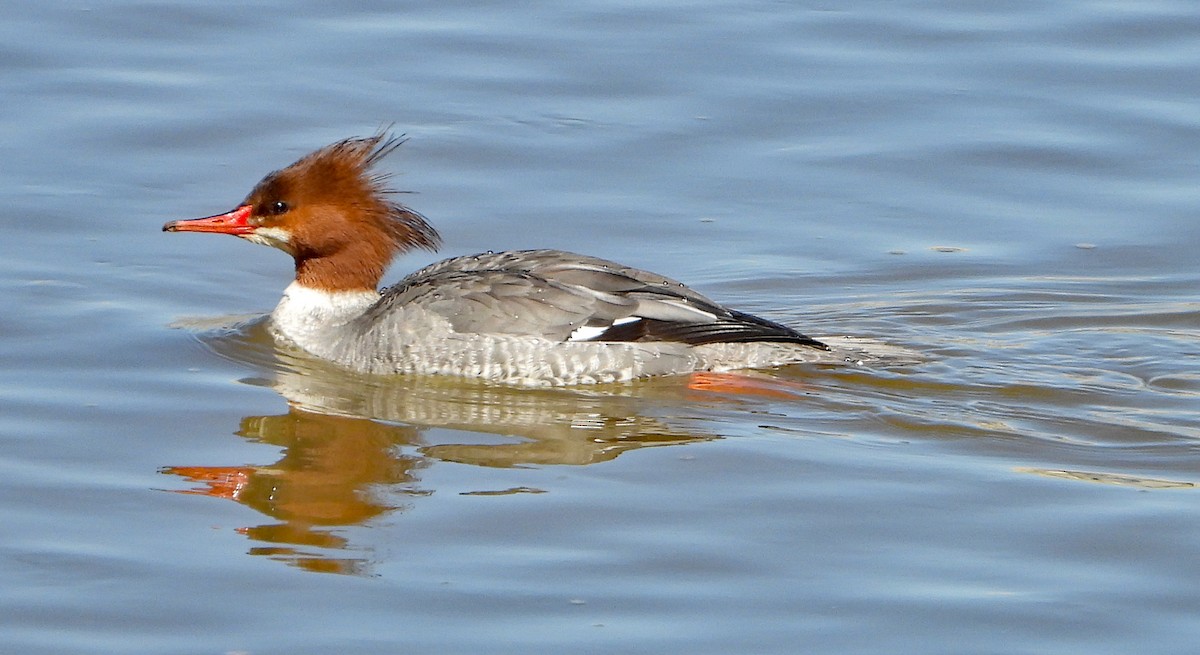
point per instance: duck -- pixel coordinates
(534, 318)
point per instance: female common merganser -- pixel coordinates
(529, 317)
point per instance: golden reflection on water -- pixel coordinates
(1119, 479)
(323, 481)
(353, 446)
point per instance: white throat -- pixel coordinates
(310, 318)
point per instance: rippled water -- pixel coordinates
(1007, 191)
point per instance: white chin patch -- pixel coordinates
(276, 237)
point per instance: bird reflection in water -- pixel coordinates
(354, 445)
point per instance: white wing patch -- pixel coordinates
(590, 332)
(673, 311)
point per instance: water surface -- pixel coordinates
(1007, 191)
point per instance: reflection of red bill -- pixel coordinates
(218, 481)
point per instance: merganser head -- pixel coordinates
(331, 213)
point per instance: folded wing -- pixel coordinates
(562, 296)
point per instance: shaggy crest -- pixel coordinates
(344, 170)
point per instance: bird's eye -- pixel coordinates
(279, 207)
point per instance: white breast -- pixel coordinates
(311, 318)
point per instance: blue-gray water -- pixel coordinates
(1008, 189)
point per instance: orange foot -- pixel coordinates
(746, 384)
